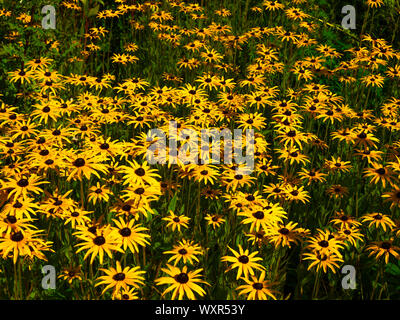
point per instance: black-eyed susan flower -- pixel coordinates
(214, 220)
(378, 220)
(350, 235)
(324, 261)
(23, 243)
(257, 288)
(70, 274)
(284, 234)
(176, 222)
(325, 242)
(121, 278)
(380, 173)
(383, 249)
(344, 221)
(137, 173)
(392, 196)
(125, 294)
(181, 282)
(244, 261)
(131, 236)
(76, 216)
(186, 251)
(99, 193)
(97, 243)
(23, 185)
(84, 164)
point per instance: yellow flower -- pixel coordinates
(119, 278)
(182, 282)
(244, 261)
(257, 288)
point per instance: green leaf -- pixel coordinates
(93, 11)
(172, 204)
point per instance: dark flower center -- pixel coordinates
(17, 205)
(44, 152)
(140, 172)
(182, 278)
(23, 183)
(362, 135)
(258, 286)
(92, 229)
(386, 245)
(182, 251)
(80, 162)
(126, 207)
(381, 171)
(119, 276)
(139, 191)
(17, 237)
(11, 219)
(99, 241)
(324, 243)
(283, 231)
(258, 215)
(243, 259)
(125, 232)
